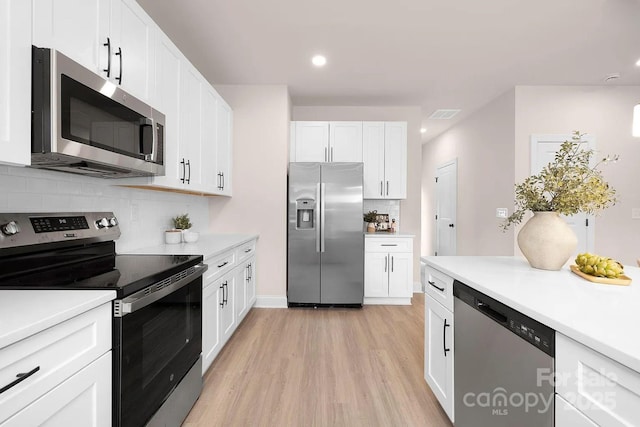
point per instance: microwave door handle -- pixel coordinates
(146, 151)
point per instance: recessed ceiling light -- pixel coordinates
(319, 61)
(423, 130)
(638, 63)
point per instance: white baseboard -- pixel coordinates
(386, 301)
(417, 288)
(270, 301)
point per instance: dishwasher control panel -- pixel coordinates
(530, 330)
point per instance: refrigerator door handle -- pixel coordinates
(316, 213)
(322, 195)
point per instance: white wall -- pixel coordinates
(606, 112)
(410, 208)
(261, 116)
(34, 190)
(483, 145)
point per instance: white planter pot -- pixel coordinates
(171, 237)
(547, 241)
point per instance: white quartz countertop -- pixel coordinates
(603, 317)
(385, 234)
(208, 245)
(27, 312)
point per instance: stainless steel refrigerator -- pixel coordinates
(325, 235)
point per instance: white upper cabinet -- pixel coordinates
(224, 134)
(133, 32)
(311, 142)
(113, 38)
(384, 150)
(326, 142)
(345, 141)
(15, 82)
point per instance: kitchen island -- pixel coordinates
(596, 329)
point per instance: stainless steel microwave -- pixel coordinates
(84, 124)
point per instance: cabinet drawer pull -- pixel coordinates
(247, 250)
(444, 338)
(119, 78)
(434, 285)
(20, 377)
(389, 244)
(223, 264)
(108, 46)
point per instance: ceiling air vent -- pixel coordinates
(443, 114)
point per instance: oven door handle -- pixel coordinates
(143, 298)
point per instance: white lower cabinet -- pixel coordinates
(438, 352)
(67, 374)
(566, 415)
(597, 387)
(229, 292)
(82, 400)
(388, 270)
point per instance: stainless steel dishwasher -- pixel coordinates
(503, 364)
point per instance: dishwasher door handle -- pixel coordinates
(444, 337)
(486, 309)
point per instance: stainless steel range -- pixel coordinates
(157, 323)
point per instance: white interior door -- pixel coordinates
(446, 199)
(543, 151)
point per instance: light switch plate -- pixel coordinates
(502, 212)
(635, 213)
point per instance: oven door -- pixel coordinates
(154, 347)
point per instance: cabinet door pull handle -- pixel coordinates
(225, 294)
(20, 377)
(222, 302)
(189, 176)
(184, 171)
(251, 271)
(444, 338)
(386, 259)
(108, 46)
(332, 154)
(381, 188)
(119, 78)
(223, 180)
(434, 285)
(325, 154)
(387, 188)
(223, 264)
(392, 263)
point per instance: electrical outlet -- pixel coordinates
(502, 212)
(635, 213)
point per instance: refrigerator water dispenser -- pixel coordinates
(305, 209)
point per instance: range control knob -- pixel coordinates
(102, 223)
(10, 228)
(113, 221)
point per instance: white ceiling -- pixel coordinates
(435, 54)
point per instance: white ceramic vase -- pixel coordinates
(547, 241)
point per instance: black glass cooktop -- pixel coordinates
(90, 267)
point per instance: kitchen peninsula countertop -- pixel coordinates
(603, 317)
(387, 234)
(26, 312)
(208, 245)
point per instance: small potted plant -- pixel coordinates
(178, 234)
(370, 218)
(567, 186)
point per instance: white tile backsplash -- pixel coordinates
(34, 190)
(391, 207)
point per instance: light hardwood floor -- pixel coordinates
(325, 367)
